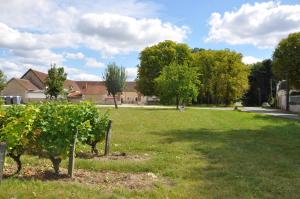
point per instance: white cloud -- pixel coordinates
(250, 60)
(33, 34)
(77, 74)
(113, 33)
(57, 15)
(92, 62)
(131, 73)
(75, 56)
(259, 24)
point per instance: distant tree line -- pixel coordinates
(199, 75)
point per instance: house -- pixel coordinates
(131, 95)
(96, 92)
(294, 97)
(23, 88)
(31, 87)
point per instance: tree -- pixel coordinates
(55, 81)
(286, 62)
(178, 81)
(261, 81)
(223, 76)
(153, 59)
(2, 81)
(114, 78)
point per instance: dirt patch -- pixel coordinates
(108, 180)
(113, 156)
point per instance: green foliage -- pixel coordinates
(50, 128)
(179, 82)
(115, 78)
(55, 81)
(152, 61)
(223, 76)
(18, 124)
(2, 81)
(286, 59)
(260, 80)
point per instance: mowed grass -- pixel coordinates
(201, 154)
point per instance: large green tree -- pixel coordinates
(2, 81)
(55, 81)
(286, 62)
(153, 59)
(262, 84)
(223, 75)
(115, 78)
(179, 82)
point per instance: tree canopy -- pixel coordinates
(153, 59)
(179, 82)
(55, 81)
(223, 76)
(115, 78)
(286, 59)
(260, 80)
(2, 81)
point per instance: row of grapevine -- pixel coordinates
(49, 129)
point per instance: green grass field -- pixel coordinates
(199, 153)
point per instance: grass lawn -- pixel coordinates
(199, 153)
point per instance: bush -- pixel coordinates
(17, 130)
(50, 128)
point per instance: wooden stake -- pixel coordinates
(2, 158)
(107, 138)
(72, 157)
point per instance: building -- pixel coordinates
(294, 99)
(31, 87)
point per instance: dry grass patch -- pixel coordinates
(105, 179)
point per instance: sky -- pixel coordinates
(84, 36)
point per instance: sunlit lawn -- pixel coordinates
(200, 153)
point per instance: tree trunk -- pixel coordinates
(177, 102)
(17, 159)
(55, 162)
(94, 148)
(116, 105)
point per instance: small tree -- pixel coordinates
(286, 62)
(178, 81)
(114, 78)
(55, 81)
(2, 81)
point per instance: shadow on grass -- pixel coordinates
(241, 163)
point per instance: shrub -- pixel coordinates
(17, 131)
(50, 128)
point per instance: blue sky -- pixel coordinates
(84, 36)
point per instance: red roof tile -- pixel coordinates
(25, 84)
(92, 87)
(75, 94)
(42, 76)
(71, 84)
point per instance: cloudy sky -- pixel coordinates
(85, 35)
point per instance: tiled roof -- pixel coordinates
(92, 87)
(75, 94)
(42, 76)
(69, 83)
(26, 84)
